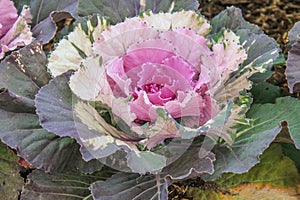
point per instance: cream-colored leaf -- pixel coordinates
(71, 51)
(90, 82)
(182, 19)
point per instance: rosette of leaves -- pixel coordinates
(107, 98)
(90, 101)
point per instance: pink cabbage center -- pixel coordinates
(156, 76)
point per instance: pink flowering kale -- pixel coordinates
(157, 75)
(160, 97)
(14, 29)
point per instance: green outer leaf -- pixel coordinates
(261, 49)
(20, 3)
(253, 139)
(62, 186)
(274, 168)
(265, 92)
(290, 151)
(118, 10)
(270, 115)
(10, 180)
(232, 19)
(130, 186)
(243, 154)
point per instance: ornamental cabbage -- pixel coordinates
(149, 80)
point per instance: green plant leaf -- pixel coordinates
(232, 18)
(274, 169)
(20, 3)
(64, 186)
(254, 138)
(269, 116)
(243, 154)
(118, 10)
(265, 92)
(11, 182)
(290, 151)
(275, 172)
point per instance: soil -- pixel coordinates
(275, 18)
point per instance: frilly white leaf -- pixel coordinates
(71, 51)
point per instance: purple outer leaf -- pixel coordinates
(293, 68)
(41, 9)
(47, 13)
(165, 5)
(67, 186)
(194, 162)
(41, 148)
(130, 187)
(134, 186)
(14, 103)
(293, 35)
(54, 107)
(118, 10)
(46, 29)
(21, 76)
